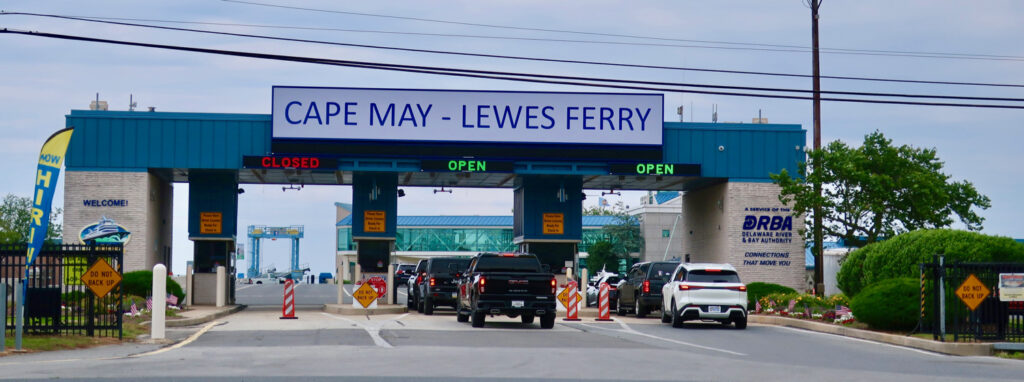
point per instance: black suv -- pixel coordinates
(640, 291)
(412, 285)
(439, 286)
(402, 273)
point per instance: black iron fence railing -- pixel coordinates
(57, 301)
(963, 286)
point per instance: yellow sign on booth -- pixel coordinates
(374, 221)
(972, 292)
(211, 223)
(554, 223)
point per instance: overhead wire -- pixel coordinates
(510, 76)
(108, 20)
(605, 34)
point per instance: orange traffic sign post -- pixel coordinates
(101, 278)
(972, 292)
(365, 296)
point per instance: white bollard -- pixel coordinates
(392, 297)
(159, 302)
(222, 292)
(584, 285)
(359, 274)
(341, 273)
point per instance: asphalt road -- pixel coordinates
(256, 345)
(308, 295)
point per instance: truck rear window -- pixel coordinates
(441, 265)
(703, 276)
(662, 271)
(508, 264)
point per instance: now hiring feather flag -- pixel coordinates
(51, 157)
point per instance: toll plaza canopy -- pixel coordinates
(664, 156)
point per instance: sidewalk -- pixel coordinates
(201, 314)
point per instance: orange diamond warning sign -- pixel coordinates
(563, 297)
(972, 292)
(366, 294)
(101, 278)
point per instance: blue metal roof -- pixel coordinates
(474, 221)
(664, 196)
(809, 257)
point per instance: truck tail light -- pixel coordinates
(647, 286)
(554, 286)
(685, 287)
(741, 288)
(432, 281)
(482, 283)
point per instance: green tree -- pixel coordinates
(15, 215)
(600, 256)
(624, 234)
(879, 190)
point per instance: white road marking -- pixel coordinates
(245, 287)
(373, 331)
(629, 330)
(403, 293)
(864, 341)
(346, 291)
(187, 341)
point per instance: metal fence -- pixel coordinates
(990, 320)
(57, 301)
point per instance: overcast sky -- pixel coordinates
(43, 79)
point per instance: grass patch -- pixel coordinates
(1010, 355)
(35, 343)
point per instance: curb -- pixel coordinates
(958, 349)
(206, 318)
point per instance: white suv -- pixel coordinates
(705, 292)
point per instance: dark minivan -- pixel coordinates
(640, 291)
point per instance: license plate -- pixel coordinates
(715, 309)
(517, 304)
(455, 295)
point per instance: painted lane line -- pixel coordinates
(629, 330)
(187, 341)
(346, 291)
(245, 287)
(374, 332)
(864, 341)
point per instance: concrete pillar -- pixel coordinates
(358, 275)
(188, 285)
(221, 286)
(391, 295)
(340, 269)
(158, 330)
(584, 281)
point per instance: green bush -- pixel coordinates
(889, 304)
(140, 283)
(900, 255)
(757, 290)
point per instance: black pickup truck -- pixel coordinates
(512, 284)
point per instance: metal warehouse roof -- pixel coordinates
(474, 221)
(664, 196)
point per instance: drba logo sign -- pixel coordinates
(106, 230)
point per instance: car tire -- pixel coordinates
(409, 302)
(428, 305)
(419, 305)
(741, 323)
(665, 317)
(547, 321)
(461, 316)
(478, 319)
(639, 309)
(527, 318)
(619, 311)
(677, 319)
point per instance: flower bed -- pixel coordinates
(805, 306)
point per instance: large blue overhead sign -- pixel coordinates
(302, 113)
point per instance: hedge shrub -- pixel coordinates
(757, 290)
(900, 255)
(140, 283)
(891, 304)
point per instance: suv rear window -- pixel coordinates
(441, 265)
(662, 271)
(508, 264)
(612, 280)
(705, 276)
(406, 267)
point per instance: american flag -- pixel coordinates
(172, 299)
(842, 310)
(135, 309)
(792, 303)
(149, 303)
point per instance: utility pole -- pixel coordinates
(819, 283)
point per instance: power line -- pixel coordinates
(604, 34)
(107, 20)
(510, 76)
